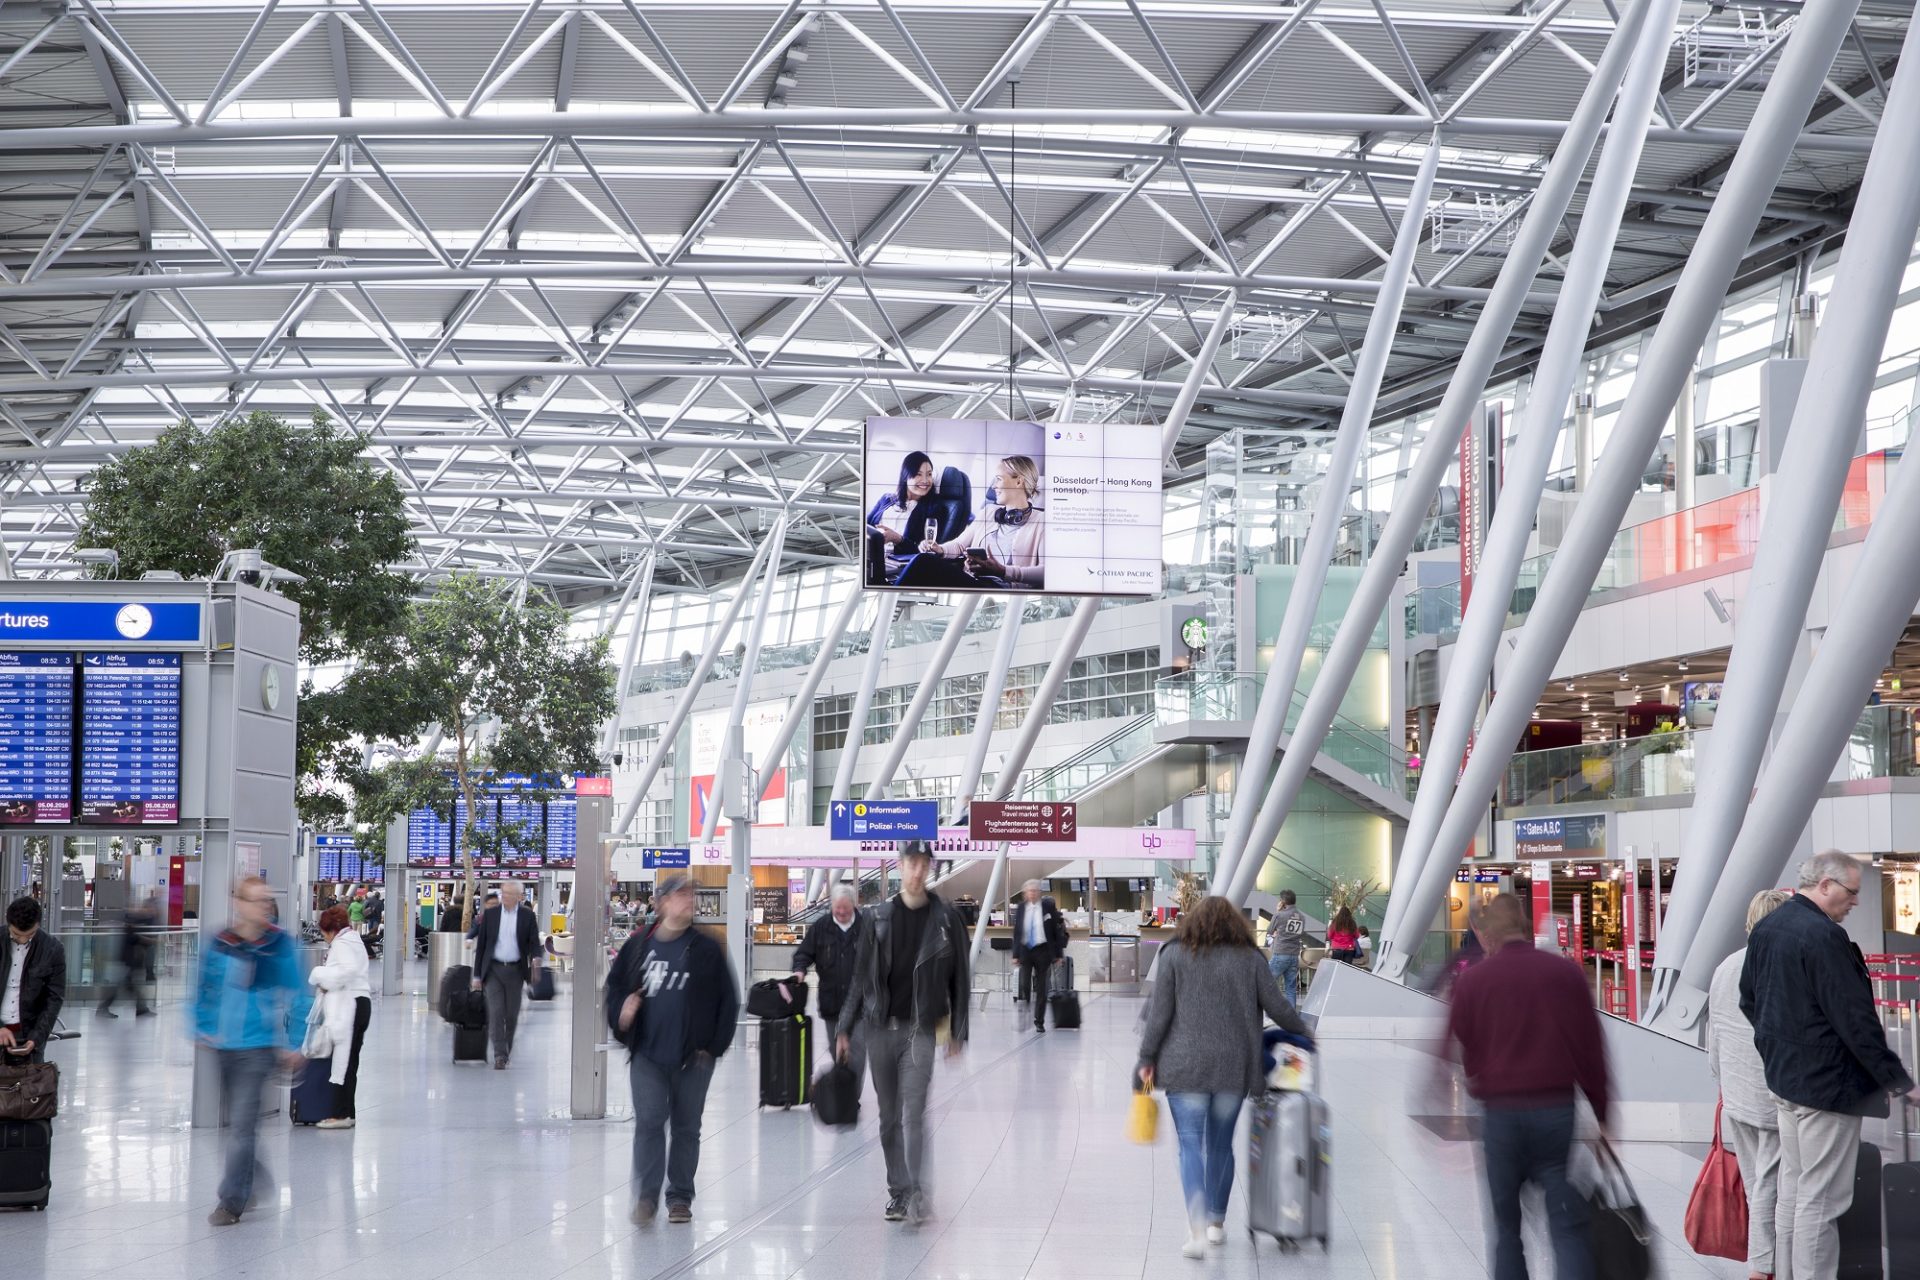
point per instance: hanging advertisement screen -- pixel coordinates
(978, 505)
(709, 728)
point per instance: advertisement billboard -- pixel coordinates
(978, 505)
(709, 741)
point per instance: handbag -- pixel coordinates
(319, 1041)
(30, 1091)
(1716, 1223)
(1143, 1118)
(776, 998)
(1621, 1239)
(836, 1097)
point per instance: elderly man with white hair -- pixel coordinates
(1805, 989)
(831, 945)
(1039, 940)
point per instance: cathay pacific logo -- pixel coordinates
(25, 621)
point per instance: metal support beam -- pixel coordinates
(994, 687)
(803, 699)
(1696, 300)
(743, 684)
(1532, 454)
(930, 679)
(640, 587)
(684, 707)
(1793, 540)
(1238, 863)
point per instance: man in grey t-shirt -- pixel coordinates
(1287, 931)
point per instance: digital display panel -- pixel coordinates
(521, 827)
(36, 737)
(129, 738)
(484, 821)
(563, 830)
(429, 840)
(954, 504)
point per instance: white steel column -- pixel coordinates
(684, 707)
(991, 692)
(1540, 426)
(641, 588)
(923, 695)
(1583, 441)
(1793, 541)
(1310, 574)
(1685, 438)
(803, 699)
(1404, 522)
(726, 779)
(1696, 300)
(862, 708)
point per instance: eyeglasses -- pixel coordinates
(1853, 891)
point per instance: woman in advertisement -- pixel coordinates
(1002, 549)
(905, 516)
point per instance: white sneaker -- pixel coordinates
(1195, 1247)
(335, 1122)
(1216, 1234)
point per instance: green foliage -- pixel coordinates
(510, 690)
(311, 502)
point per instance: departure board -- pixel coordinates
(522, 823)
(429, 840)
(129, 738)
(563, 830)
(484, 822)
(36, 737)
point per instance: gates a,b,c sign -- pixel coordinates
(884, 819)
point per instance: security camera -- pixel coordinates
(251, 568)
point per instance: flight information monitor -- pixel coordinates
(36, 737)
(482, 857)
(129, 738)
(521, 823)
(429, 840)
(563, 830)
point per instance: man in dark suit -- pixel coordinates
(1039, 939)
(33, 984)
(506, 956)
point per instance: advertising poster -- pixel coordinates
(977, 505)
(709, 729)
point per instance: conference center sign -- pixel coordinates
(978, 505)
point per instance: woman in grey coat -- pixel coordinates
(1201, 1044)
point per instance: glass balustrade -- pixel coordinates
(1235, 695)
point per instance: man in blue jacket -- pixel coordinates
(1805, 989)
(248, 1004)
(672, 1000)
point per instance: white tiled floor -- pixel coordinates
(457, 1171)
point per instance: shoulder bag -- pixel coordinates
(29, 1090)
(1716, 1223)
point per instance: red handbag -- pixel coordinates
(1716, 1224)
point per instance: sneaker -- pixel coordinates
(145, 1013)
(679, 1213)
(336, 1122)
(500, 1062)
(1195, 1247)
(918, 1209)
(897, 1209)
(105, 1012)
(643, 1213)
(222, 1217)
(1216, 1234)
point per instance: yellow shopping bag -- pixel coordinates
(1143, 1118)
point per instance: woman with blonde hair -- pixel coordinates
(1003, 546)
(1752, 1127)
(1201, 1043)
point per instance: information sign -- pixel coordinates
(663, 859)
(36, 737)
(1030, 820)
(884, 820)
(130, 738)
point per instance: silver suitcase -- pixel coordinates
(1289, 1169)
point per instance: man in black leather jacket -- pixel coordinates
(33, 984)
(910, 991)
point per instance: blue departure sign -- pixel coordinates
(36, 737)
(884, 819)
(78, 622)
(129, 738)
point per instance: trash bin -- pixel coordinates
(444, 950)
(1126, 962)
(1099, 961)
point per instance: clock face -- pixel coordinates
(270, 688)
(133, 621)
(1193, 633)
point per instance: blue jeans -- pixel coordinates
(1204, 1123)
(243, 1079)
(1530, 1145)
(1286, 972)
(666, 1099)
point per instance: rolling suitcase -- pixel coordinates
(1289, 1169)
(312, 1099)
(470, 1043)
(540, 986)
(1859, 1226)
(1062, 999)
(454, 984)
(786, 1061)
(1902, 1185)
(26, 1163)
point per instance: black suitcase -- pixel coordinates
(26, 1163)
(454, 983)
(470, 1043)
(312, 1099)
(1062, 999)
(786, 1061)
(540, 986)
(467, 1009)
(1859, 1226)
(1902, 1184)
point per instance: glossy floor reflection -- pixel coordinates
(470, 1171)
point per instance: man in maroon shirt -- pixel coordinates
(1529, 1037)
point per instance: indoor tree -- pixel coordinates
(311, 501)
(510, 691)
